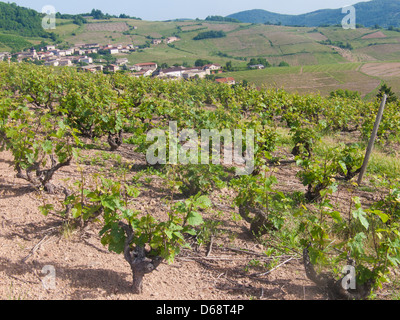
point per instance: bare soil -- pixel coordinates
(85, 270)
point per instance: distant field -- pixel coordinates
(115, 26)
(382, 70)
(66, 29)
(332, 67)
(382, 52)
(308, 79)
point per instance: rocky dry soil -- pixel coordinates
(40, 260)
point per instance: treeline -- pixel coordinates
(223, 19)
(339, 44)
(96, 14)
(78, 19)
(225, 55)
(99, 15)
(210, 34)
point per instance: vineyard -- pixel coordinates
(78, 142)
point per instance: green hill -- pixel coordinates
(377, 12)
(21, 21)
(21, 27)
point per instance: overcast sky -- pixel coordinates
(174, 9)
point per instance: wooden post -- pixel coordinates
(372, 140)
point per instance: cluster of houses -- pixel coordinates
(166, 40)
(151, 69)
(52, 56)
(180, 72)
(5, 56)
(79, 56)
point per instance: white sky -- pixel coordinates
(174, 9)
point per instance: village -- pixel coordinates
(80, 56)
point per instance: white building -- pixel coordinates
(195, 73)
(65, 63)
(145, 66)
(4, 55)
(87, 60)
(52, 63)
(122, 61)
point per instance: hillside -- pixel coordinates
(317, 61)
(381, 12)
(21, 21)
(21, 27)
(321, 59)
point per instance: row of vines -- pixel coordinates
(48, 115)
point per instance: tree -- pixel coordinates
(255, 61)
(201, 62)
(228, 66)
(99, 15)
(384, 89)
(22, 21)
(79, 20)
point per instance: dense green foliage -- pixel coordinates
(210, 35)
(22, 21)
(201, 62)
(99, 15)
(345, 94)
(255, 61)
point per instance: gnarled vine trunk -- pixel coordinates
(41, 178)
(333, 287)
(138, 260)
(259, 224)
(115, 140)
